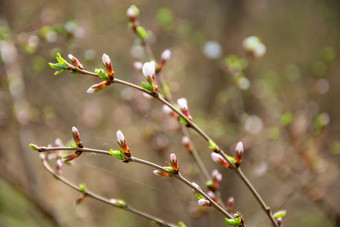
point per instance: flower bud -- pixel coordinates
(254, 46)
(79, 200)
(203, 202)
(97, 87)
(161, 173)
(132, 11)
(166, 55)
(149, 70)
(213, 196)
(76, 137)
(122, 143)
(174, 163)
(239, 154)
(183, 105)
(108, 65)
(34, 147)
(219, 159)
(230, 204)
(138, 66)
(75, 61)
(70, 157)
(186, 143)
(58, 166)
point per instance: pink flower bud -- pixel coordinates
(183, 105)
(203, 202)
(97, 87)
(108, 65)
(149, 70)
(174, 163)
(76, 137)
(58, 166)
(239, 154)
(138, 65)
(70, 157)
(186, 143)
(122, 143)
(75, 61)
(132, 11)
(216, 176)
(166, 55)
(196, 186)
(213, 196)
(230, 204)
(161, 173)
(219, 159)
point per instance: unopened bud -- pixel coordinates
(214, 184)
(174, 163)
(183, 105)
(138, 66)
(161, 173)
(132, 11)
(219, 159)
(149, 70)
(76, 137)
(166, 55)
(70, 157)
(203, 202)
(79, 200)
(239, 154)
(213, 196)
(59, 164)
(108, 65)
(122, 143)
(186, 143)
(97, 87)
(279, 222)
(230, 204)
(34, 147)
(254, 46)
(75, 61)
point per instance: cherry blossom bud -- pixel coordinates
(174, 163)
(58, 166)
(138, 66)
(108, 65)
(183, 105)
(97, 87)
(196, 186)
(149, 70)
(79, 200)
(75, 61)
(76, 137)
(219, 159)
(279, 222)
(203, 202)
(132, 11)
(214, 184)
(186, 143)
(213, 196)
(161, 173)
(166, 55)
(230, 204)
(122, 143)
(168, 110)
(70, 157)
(239, 154)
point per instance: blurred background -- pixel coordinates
(283, 105)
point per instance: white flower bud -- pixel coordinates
(166, 55)
(120, 137)
(182, 103)
(149, 69)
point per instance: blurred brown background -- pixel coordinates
(284, 106)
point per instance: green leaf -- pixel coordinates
(181, 224)
(143, 34)
(60, 59)
(121, 203)
(169, 168)
(153, 222)
(101, 73)
(231, 159)
(117, 154)
(280, 214)
(58, 66)
(57, 72)
(183, 121)
(213, 146)
(199, 196)
(82, 187)
(147, 86)
(233, 222)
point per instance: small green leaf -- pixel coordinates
(153, 222)
(82, 187)
(117, 154)
(231, 159)
(233, 222)
(101, 73)
(60, 59)
(34, 147)
(58, 66)
(181, 224)
(57, 72)
(143, 34)
(199, 196)
(169, 168)
(280, 214)
(121, 203)
(213, 146)
(183, 121)
(147, 86)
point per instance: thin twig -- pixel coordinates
(100, 198)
